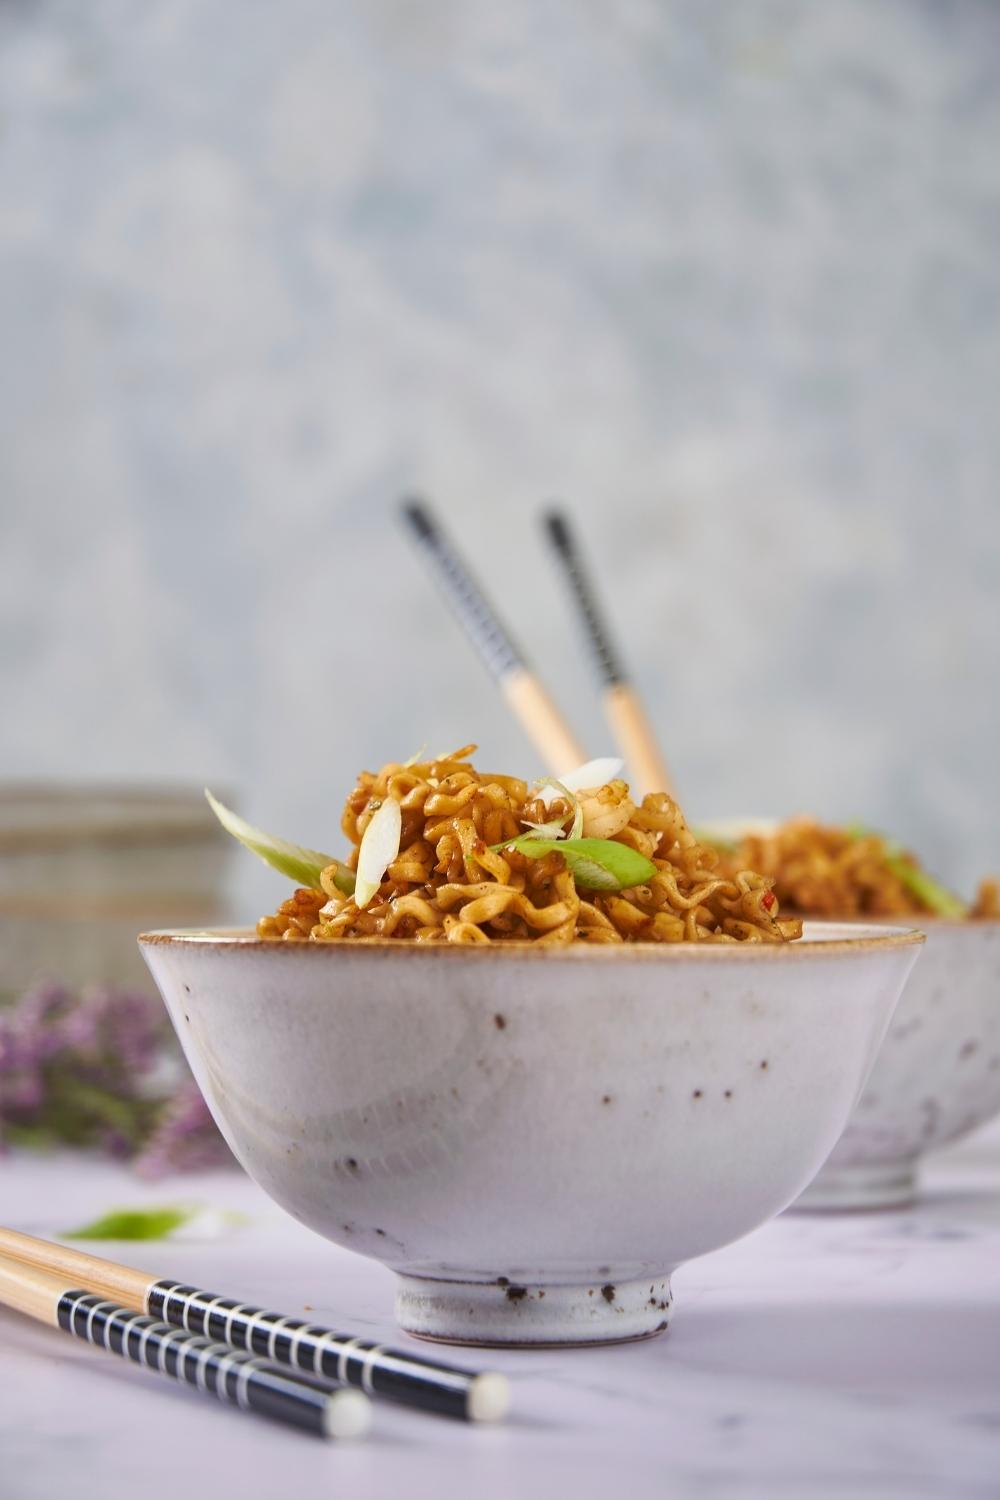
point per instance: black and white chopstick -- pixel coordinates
(209, 1365)
(376, 1369)
(622, 704)
(505, 662)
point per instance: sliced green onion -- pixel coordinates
(302, 865)
(592, 773)
(596, 864)
(930, 892)
(133, 1224)
(379, 847)
(556, 830)
(544, 830)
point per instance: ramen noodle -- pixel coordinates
(986, 907)
(823, 871)
(485, 858)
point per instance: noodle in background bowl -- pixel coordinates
(937, 1075)
(532, 1138)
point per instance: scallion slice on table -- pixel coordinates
(133, 1224)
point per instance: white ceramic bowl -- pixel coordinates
(937, 1075)
(532, 1139)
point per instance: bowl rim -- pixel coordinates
(923, 921)
(245, 940)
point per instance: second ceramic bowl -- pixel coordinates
(532, 1138)
(937, 1075)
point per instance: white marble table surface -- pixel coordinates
(821, 1356)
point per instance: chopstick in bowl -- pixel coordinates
(233, 1375)
(530, 702)
(622, 705)
(376, 1369)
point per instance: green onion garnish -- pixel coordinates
(596, 864)
(302, 865)
(930, 892)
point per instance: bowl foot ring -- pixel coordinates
(868, 1185)
(533, 1314)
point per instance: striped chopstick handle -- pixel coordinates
(605, 658)
(622, 704)
(527, 698)
(374, 1368)
(464, 595)
(211, 1366)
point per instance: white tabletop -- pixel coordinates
(822, 1356)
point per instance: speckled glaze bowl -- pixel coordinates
(532, 1138)
(937, 1075)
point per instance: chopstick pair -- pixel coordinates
(531, 703)
(276, 1366)
(220, 1370)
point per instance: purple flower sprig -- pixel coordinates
(185, 1138)
(80, 1070)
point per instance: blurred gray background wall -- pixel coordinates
(725, 277)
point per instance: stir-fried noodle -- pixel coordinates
(456, 878)
(822, 871)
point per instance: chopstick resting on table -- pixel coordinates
(211, 1366)
(374, 1368)
(622, 704)
(532, 705)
